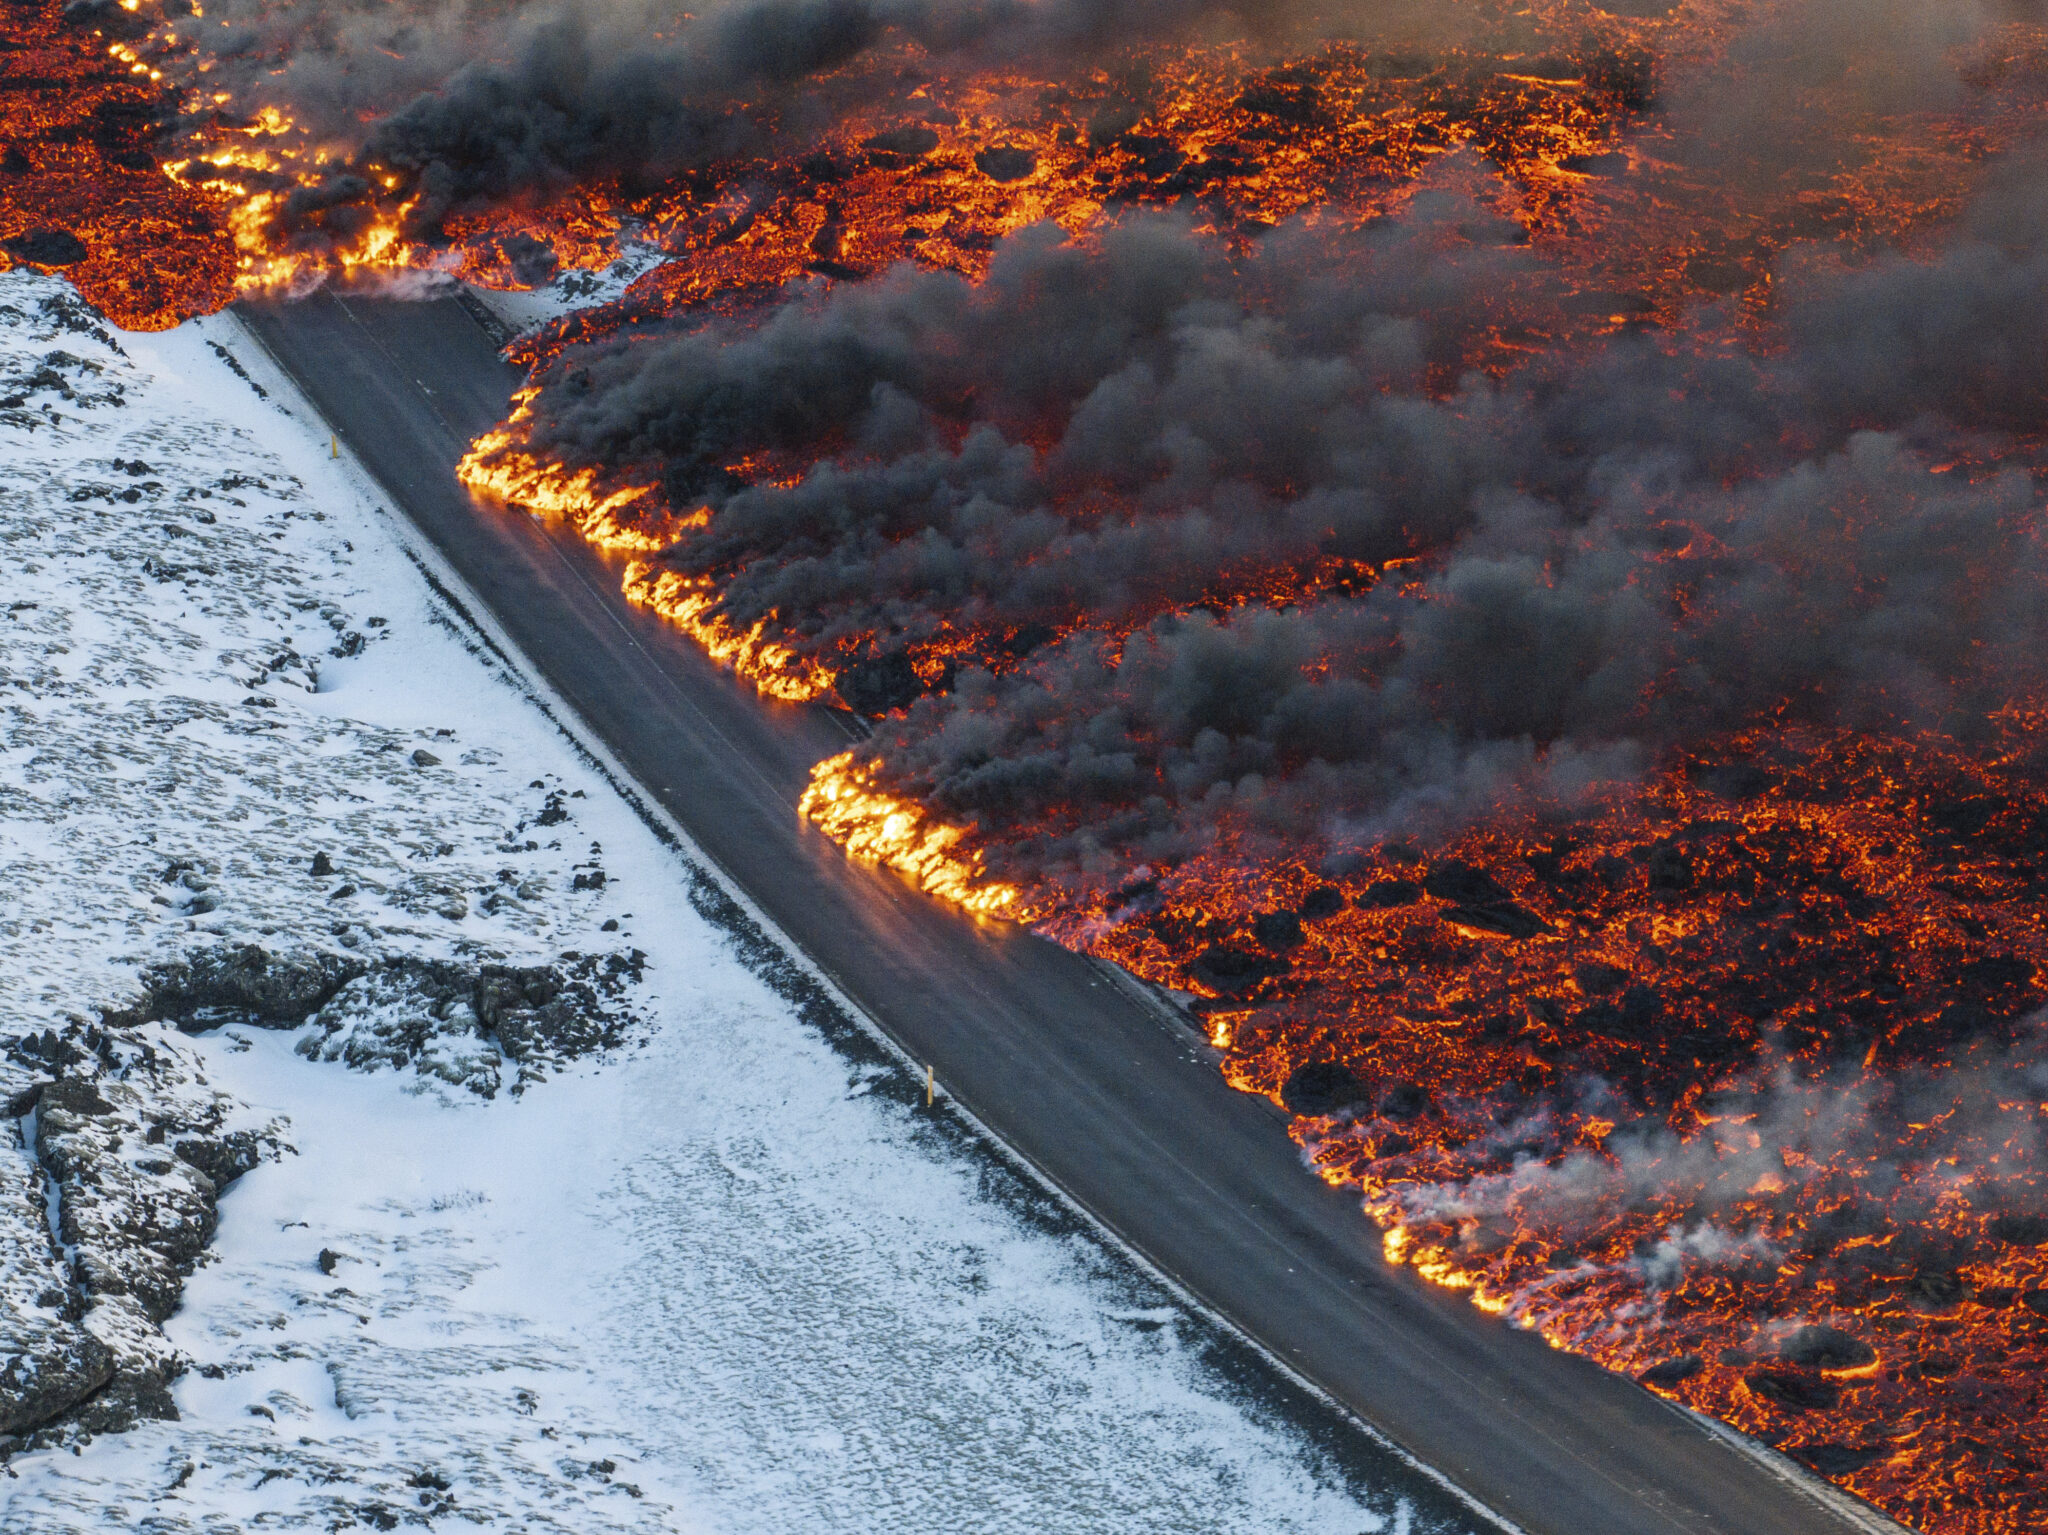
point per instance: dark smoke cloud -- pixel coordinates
(474, 107)
(1097, 439)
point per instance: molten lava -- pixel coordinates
(1722, 1062)
(82, 190)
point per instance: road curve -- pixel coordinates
(1101, 1092)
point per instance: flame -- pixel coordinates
(873, 824)
(775, 669)
(1881, 912)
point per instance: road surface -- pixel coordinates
(1103, 1094)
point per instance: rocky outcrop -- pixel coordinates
(477, 1026)
(471, 1023)
(114, 1151)
(111, 1170)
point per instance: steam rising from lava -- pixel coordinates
(1083, 483)
(1498, 549)
(1506, 714)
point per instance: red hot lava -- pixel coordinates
(1496, 551)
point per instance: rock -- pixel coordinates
(243, 982)
(1005, 162)
(1825, 1348)
(1634, 1016)
(912, 142)
(533, 262)
(1462, 884)
(137, 1147)
(1936, 1289)
(1504, 920)
(1289, 103)
(424, 758)
(222, 1158)
(46, 247)
(1326, 901)
(1234, 972)
(322, 865)
(1936, 1364)
(1730, 780)
(1599, 980)
(71, 1095)
(461, 1022)
(1791, 1391)
(1278, 931)
(328, 1259)
(45, 1372)
(138, 1228)
(1671, 1372)
(2019, 1230)
(1112, 121)
(1322, 1087)
(1613, 163)
(1669, 866)
(48, 1363)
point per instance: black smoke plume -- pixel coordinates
(1131, 447)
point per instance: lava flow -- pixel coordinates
(1497, 552)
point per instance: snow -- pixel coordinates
(726, 1276)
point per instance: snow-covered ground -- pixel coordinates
(696, 1266)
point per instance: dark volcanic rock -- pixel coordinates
(875, 687)
(1323, 1087)
(1792, 1391)
(1278, 930)
(533, 262)
(1826, 1348)
(1005, 162)
(44, 1376)
(1505, 919)
(223, 1158)
(71, 1095)
(1600, 980)
(1732, 780)
(243, 982)
(908, 143)
(1936, 1289)
(46, 247)
(1464, 885)
(1324, 902)
(1670, 1372)
(1235, 971)
(2019, 1230)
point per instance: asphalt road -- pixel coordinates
(1101, 1092)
